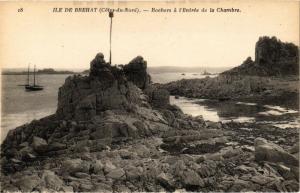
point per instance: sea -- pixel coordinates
(20, 107)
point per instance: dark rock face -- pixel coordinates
(136, 71)
(160, 98)
(103, 71)
(273, 51)
(272, 58)
(98, 65)
(107, 87)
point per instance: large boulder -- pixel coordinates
(116, 173)
(52, 181)
(268, 151)
(75, 165)
(136, 72)
(191, 178)
(98, 65)
(28, 182)
(166, 181)
(133, 172)
(39, 145)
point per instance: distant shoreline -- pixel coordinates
(25, 73)
(42, 71)
(160, 69)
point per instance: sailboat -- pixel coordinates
(33, 87)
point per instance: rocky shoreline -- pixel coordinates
(274, 74)
(115, 131)
(271, 90)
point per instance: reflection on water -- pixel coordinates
(243, 103)
(189, 106)
(277, 110)
(226, 111)
(238, 119)
(214, 110)
(173, 76)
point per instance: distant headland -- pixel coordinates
(43, 71)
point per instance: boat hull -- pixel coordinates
(33, 88)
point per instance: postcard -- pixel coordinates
(149, 96)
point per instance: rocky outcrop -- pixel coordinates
(82, 97)
(272, 58)
(275, 66)
(221, 87)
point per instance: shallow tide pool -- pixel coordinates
(227, 111)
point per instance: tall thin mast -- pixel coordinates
(28, 76)
(34, 76)
(111, 15)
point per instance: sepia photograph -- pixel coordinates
(149, 96)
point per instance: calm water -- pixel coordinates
(20, 107)
(168, 77)
(214, 110)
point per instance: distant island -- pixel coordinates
(43, 71)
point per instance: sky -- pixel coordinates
(38, 36)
